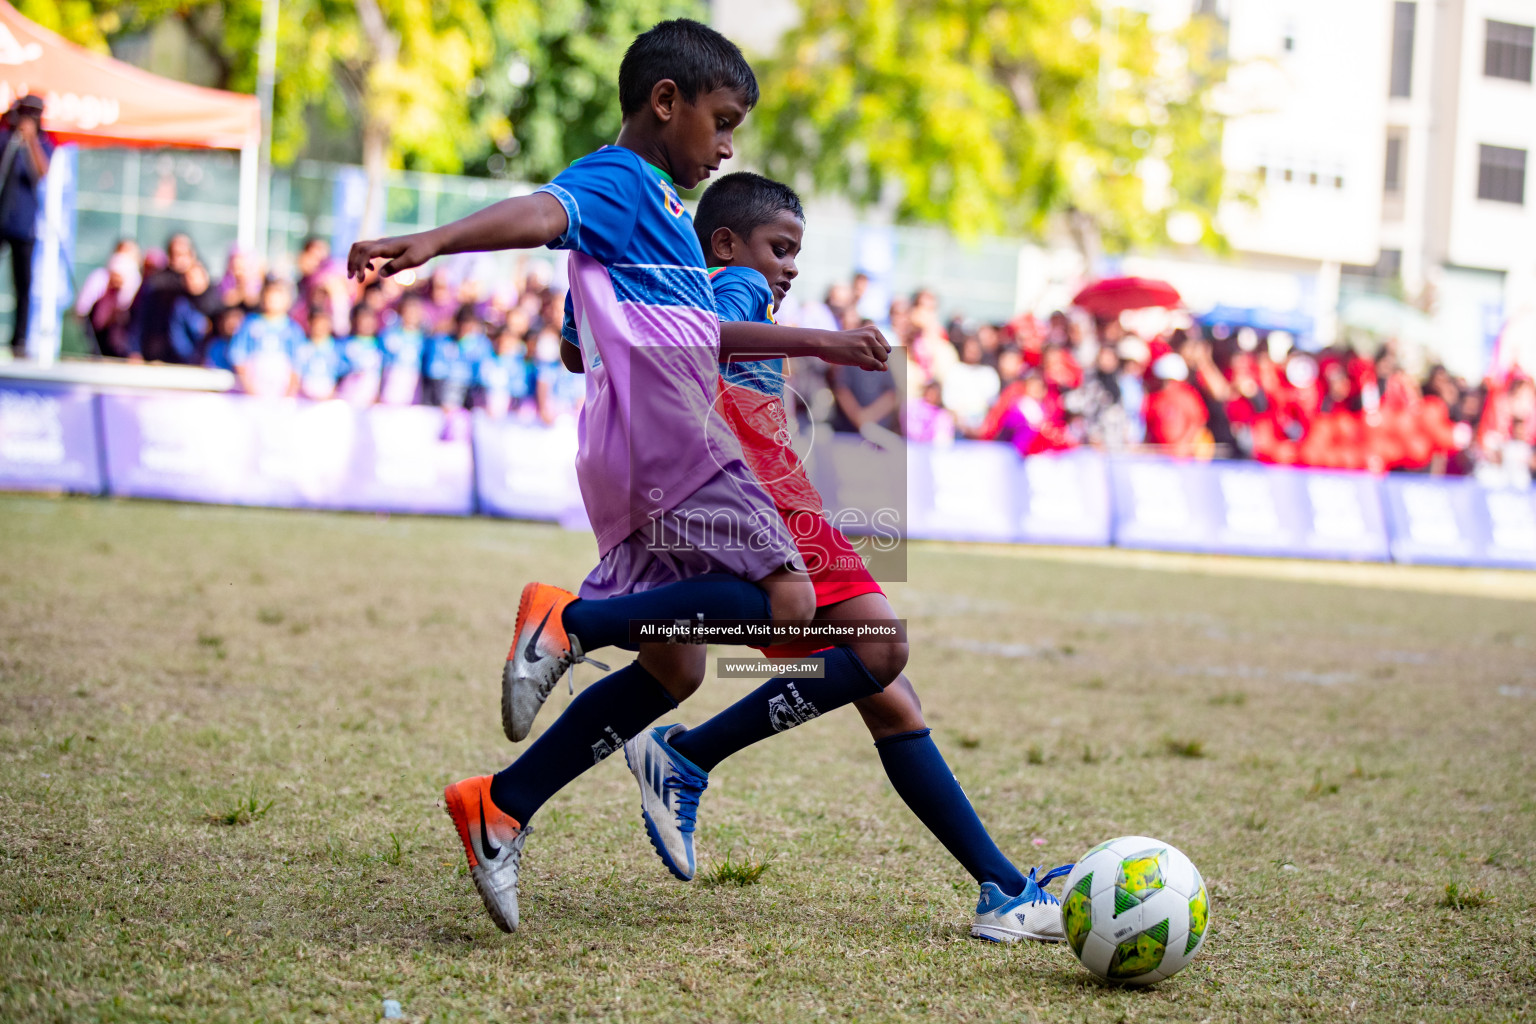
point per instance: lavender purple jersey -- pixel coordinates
(645, 321)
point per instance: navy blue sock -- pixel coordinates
(605, 622)
(921, 778)
(780, 703)
(594, 725)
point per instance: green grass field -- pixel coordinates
(225, 735)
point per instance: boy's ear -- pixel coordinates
(664, 99)
(722, 245)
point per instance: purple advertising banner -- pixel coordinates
(527, 470)
(238, 450)
(964, 491)
(48, 439)
(1439, 521)
(977, 490)
(1063, 498)
(1245, 508)
(233, 449)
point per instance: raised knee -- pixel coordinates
(794, 605)
(884, 661)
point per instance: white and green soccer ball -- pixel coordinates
(1135, 910)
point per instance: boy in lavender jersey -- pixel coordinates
(660, 474)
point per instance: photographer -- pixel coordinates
(24, 152)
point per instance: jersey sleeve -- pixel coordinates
(601, 195)
(742, 294)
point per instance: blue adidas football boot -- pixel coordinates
(670, 787)
(1032, 914)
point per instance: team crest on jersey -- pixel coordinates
(669, 199)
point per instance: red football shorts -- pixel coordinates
(837, 572)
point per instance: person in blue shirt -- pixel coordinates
(502, 379)
(558, 392)
(262, 349)
(452, 360)
(225, 325)
(469, 328)
(189, 325)
(317, 360)
(24, 153)
(362, 359)
(403, 345)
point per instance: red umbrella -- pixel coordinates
(1108, 298)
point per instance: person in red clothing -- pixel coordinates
(1034, 423)
(1175, 412)
(1010, 370)
(1338, 437)
(1254, 414)
(1060, 370)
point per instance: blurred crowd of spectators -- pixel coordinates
(438, 341)
(1066, 381)
(1071, 380)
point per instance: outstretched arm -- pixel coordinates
(523, 222)
(864, 347)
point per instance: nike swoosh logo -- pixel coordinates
(492, 851)
(530, 649)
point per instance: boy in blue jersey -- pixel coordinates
(751, 229)
(557, 392)
(262, 349)
(658, 471)
(502, 378)
(404, 343)
(362, 360)
(454, 359)
(317, 360)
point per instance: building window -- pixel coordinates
(1393, 182)
(1388, 266)
(1508, 51)
(1402, 48)
(1501, 174)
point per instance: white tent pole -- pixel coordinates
(266, 78)
(46, 330)
(250, 174)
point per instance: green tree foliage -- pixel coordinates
(517, 87)
(73, 19)
(558, 81)
(400, 68)
(998, 115)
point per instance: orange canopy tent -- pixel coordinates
(96, 100)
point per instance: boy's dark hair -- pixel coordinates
(743, 202)
(466, 314)
(695, 56)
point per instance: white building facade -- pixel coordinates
(1388, 145)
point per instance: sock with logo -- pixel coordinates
(594, 725)
(780, 703)
(603, 622)
(917, 771)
